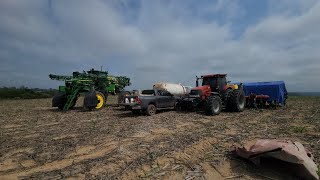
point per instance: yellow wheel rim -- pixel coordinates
(101, 101)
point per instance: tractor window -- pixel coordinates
(195, 92)
(212, 82)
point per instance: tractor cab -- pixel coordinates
(217, 82)
(98, 73)
(210, 83)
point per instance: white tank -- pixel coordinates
(175, 89)
(188, 89)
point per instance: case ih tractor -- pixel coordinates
(213, 95)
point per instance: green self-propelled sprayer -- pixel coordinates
(96, 85)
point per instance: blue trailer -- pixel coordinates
(273, 92)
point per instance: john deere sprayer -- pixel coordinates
(95, 85)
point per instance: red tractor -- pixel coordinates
(213, 95)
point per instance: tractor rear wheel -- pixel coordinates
(213, 105)
(228, 101)
(237, 100)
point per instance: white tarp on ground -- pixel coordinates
(299, 160)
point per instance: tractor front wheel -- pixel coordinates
(213, 105)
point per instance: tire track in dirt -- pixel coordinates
(171, 162)
(143, 146)
(156, 135)
(83, 155)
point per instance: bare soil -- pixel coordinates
(40, 142)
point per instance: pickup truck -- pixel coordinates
(149, 101)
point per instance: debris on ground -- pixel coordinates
(293, 155)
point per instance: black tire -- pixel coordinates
(59, 100)
(151, 110)
(126, 108)
(90, 100)
(237, 100)
(177, 106)
(213, 105)
(135, 111)
(227, 100)
(182, 105)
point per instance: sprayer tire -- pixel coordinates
(59, 100)
(101, 100)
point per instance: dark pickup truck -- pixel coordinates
(149, 101)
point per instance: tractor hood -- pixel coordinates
(204, 90)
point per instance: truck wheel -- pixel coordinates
(237, 100)
(213, 105)
(151, 110)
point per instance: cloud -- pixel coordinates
(159, 41)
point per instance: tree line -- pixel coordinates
(25, 93)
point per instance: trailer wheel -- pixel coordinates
(237, 100)
(213, 105)
(151, 110)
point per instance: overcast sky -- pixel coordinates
(161, 40)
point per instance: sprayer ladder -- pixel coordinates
(70, 99)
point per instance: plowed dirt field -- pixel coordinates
(40, 142)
